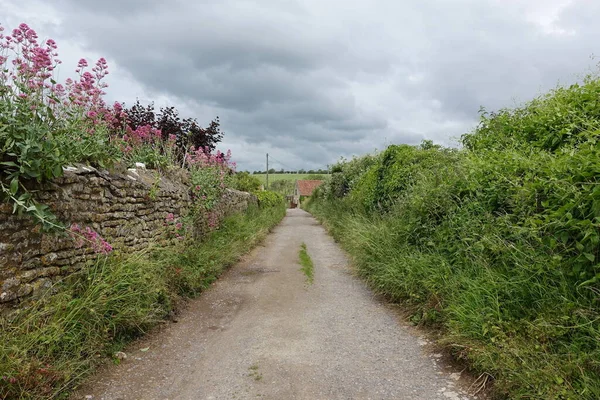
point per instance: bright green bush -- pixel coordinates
(268, 199)
(245, 182)
(496, 245)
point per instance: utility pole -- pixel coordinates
(267, 188)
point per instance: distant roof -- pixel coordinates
(306, 187)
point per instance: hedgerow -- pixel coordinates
(268, 199)
(496, 244)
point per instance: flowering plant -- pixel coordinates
(43, 124)
(87, 235)
(211, 174)
(46, 125)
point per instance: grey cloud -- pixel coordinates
(314, 80)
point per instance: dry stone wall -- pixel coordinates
(128, 210)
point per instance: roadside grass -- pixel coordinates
(307, 264)
(479, 311)
(48, 348)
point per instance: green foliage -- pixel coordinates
(268, 199)
(34, 146)
(345, 175)
(48, 348)
(496, 245)
(562, 117)
(395, 170)
(245, 182)
(208, 185)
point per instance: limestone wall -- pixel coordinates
(129, 210)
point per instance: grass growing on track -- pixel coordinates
(48, 348)
(307, 264)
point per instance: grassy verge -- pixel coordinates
(307, 264)
(47, 349)
(474, 307)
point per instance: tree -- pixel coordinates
(187, 132)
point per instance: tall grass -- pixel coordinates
(48, 348)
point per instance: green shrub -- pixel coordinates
(245, 182)
(268, 199)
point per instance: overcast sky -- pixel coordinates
(309, 81)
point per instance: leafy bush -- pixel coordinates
(497, 245)
(268, 199)
(283, 186)
(245, 182)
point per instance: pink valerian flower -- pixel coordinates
(91, 237)
(174, 227)
(27, 66)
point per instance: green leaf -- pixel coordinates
(14, 186)
(57, 171)
(589, 256)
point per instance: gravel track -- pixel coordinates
(262, 332)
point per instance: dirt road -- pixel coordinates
(261, 332)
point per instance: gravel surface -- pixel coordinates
(262, 332)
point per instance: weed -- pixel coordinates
(254, 372)
(307, 264)
(155, 189)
